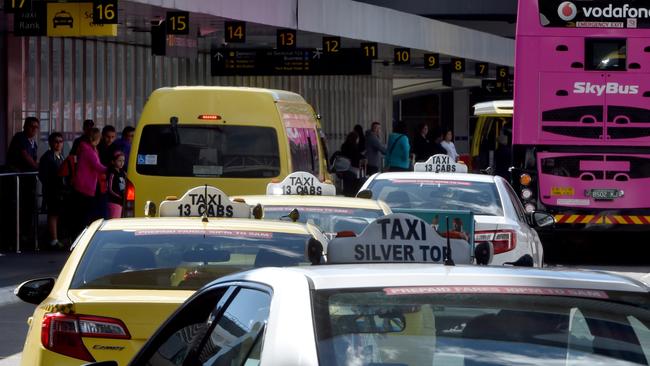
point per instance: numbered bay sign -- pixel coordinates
(301, 183)
(397, 238)
(204, 200)
(440, 163)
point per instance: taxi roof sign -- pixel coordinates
(398, 238)
(301, 183)
(204, 200)
(440, 163)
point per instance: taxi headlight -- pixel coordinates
(525, 179)
(526, 193)
(529, 207)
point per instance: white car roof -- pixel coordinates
(342, 276)
(467, 177)
(504, 107)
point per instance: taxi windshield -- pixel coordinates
(208, 151)
(393, 327)
(481, 198)
(181, 259)
(331, 220)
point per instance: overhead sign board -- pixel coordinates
(402, 56)
(75, 20)
(105, 11)
(302, 61)
(234, 32)
(494, 86)
(30, 19)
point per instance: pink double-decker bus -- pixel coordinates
(581, 129)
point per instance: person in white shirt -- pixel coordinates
(448, 144)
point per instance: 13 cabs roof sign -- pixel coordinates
(440, 163)
(204, 200)
(301, 183)
(397, 238)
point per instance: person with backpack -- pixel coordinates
(398, 151)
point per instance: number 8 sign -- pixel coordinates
(457, 64)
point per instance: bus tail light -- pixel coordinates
(525, 179)
(502, 240)
(129, 205)
(62, 333)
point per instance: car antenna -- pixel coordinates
(448, 260)
(204, 217)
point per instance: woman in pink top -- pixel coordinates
(86, 177)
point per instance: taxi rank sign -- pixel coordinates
(397, 238)
(440, 163)
(302, 61)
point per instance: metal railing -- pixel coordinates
(17, 207)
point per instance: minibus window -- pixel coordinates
(208, 151)
(303, 152)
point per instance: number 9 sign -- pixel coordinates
(431, 60)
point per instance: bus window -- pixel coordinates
(303, 146)
(605, 54)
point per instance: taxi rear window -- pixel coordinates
(453, 327)
(208, 151)
(330, 219)
(481, 198)
(181, 259)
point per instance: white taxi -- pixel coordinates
(316, 202)
(442, 185)
(417, 312)
(124, 277)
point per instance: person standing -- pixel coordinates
(52, 184)
(374, 148)
(21, 158)
(398, 149)
(350, 150)
(448, 144)
(123, 144)
(116, 186)
(436, 141)
(87, 127)
(361, 144)
(85, 180)
(105, 147)
(421, 145)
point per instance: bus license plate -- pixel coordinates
(605, 194)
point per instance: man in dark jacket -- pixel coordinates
(52, 183)
(21, 157)
(374, 149)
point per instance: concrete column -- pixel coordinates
(461, 120)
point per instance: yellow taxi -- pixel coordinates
(303, 198)
(235, 138)
(124, 277)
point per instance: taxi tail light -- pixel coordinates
(502, 240)
(62, 333)
(130, 199)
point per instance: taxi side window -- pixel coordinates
(516, 203)
(174, 341)
(237, 334)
